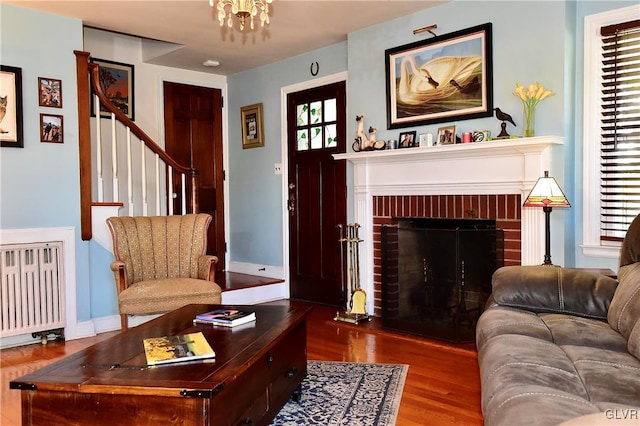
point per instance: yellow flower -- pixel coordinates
(533, 95)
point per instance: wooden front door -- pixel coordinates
(193, 137)
(317, 193)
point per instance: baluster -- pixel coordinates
(170, 191)
(129, 177)
(157, 185)
(114, 158)
(143, 170)
(99, 150)
(184, 193)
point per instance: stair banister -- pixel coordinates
(88, 82)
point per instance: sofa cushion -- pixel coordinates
(554, 290)
(624, 314)
(499, 320)
(608, 376)
(536, 406)
(572, 330)
(168, 294)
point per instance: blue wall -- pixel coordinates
(39, 184)
(532, 41)
(255, 192)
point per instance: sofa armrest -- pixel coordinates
(207, 267)
(548, 289)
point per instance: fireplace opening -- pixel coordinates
(436, 275)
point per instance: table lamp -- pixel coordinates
(546, 193)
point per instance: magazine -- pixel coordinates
(170, 349)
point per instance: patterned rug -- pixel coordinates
(346, 393)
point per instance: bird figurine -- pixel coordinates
(504, 117)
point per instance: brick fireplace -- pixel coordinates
(504, 209)
(477, 180)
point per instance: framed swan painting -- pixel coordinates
(445, 78)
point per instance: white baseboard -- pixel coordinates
(255, 295)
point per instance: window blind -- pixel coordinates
(620, 129)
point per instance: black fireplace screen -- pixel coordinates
(436, 275)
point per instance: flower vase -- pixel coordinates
(529, 121)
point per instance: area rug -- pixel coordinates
(346, 393)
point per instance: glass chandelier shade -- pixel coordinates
(242, 9)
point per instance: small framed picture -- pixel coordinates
(425, 140)
(50, 92)
(252, 127)
(116, 79)
(407, 139)
(447, 135)
(51, 128)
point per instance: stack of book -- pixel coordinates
(225, 317)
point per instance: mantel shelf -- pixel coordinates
(466, 150)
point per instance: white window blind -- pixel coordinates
(620, 129)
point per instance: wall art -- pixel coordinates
(49, 92)
(116, 80)
(51, 128)
(11, 107)
(445, 78)
(252, 127)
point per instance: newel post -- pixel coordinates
(84, 139)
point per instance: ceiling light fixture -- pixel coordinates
(242, 9)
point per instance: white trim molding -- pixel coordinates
(591, 245)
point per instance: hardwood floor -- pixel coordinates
(442, 385)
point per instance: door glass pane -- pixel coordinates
(303, 140)
(316, 137)
(330, 112)
(330, 136)
(301, 113)
(316, 112)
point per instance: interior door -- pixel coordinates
(316, 129)
(193, 137)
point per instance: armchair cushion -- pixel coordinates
(546, 289)
(167, 294)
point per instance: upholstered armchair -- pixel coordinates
(160, 263)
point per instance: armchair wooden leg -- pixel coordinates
(124, 321)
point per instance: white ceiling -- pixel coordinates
(191, 34)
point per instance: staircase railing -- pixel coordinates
(122, 135)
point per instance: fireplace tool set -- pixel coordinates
(356, 305)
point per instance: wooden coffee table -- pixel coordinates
(256, 370)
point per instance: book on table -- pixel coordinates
(225, 317)
(180, 348)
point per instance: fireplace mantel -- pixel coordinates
(509, 166)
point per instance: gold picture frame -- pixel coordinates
(252, 126)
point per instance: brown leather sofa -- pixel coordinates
(563, 345)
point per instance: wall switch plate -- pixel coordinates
(277, 168)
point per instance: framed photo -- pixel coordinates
(445, 78)
(446, 135)
(252, 128)
(407, 139)
(11, 107)
(49, 92)
(116, 80)
(51, 128)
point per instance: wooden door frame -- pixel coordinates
(222, 86)
(284, 92)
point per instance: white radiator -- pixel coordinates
(32, 294)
